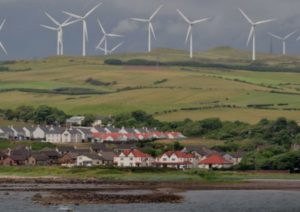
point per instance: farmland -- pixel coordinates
(88, 85)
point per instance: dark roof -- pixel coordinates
(129, 130)
(85, 130)
(19, 130)
(19, 154)
(107, 156)
(113, 129)
(81, 151)
(99, 147)
(50, 152)
(100, 129)
(73, 131)
(142, 130)
(124, 146)
(40, 156)
(7, 130)
(65, 148)
(29, 128)
(55, 130)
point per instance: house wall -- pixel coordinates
(38, 133)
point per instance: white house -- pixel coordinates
(54, 135)
(133, 158)
(40, 132)
(88, 160)
(215, 161)
(75, 120)
(176, 159)
(71, 135)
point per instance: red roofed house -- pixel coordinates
(177, 159)
(215, 161)
(133, 158)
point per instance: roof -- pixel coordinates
(215, 159)
(85, 130)
(91, 156)
(100, 129)
(75, 119)
(30, 128)
(7, 130)
(39, 156)
(55, 130)
(99, 147)
(179, 154)
(112, 129)
(107, 156)
(136, 153)
(65, 148)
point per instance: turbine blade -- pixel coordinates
(52, 19)
(183, 16)
(275, 36)
(264, 21)
(66, 21)
(117, 46)
(101, 27)
(140, 20)
(72, 15)
(2, 24)
(250, 35)
(92, 10)
(100, 43)
(201, 20)
(188, 33)
(156, 11)
(244, 14)
(152, 30)
(114, 35)
(70, 23)
(48, 27)
(3, 48)
(289, 35)
(100, 49)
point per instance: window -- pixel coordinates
(121, 158)
(131, 158)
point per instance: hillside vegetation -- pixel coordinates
(170, 92)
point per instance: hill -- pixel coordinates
(87, 85)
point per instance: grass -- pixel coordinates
(182, 88)
(187, 176)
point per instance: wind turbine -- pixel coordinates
(283, 39)
(189, 34)
(1, 45)
(150, 26)
(59, 30)
(252, 33)
(112, 50)
(104, 38)
(84, 26)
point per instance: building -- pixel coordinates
(176, 159)
(71, 135)
(133, 158)
(88, 160)
(75, 121)
(215, 161)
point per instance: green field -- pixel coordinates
(210, 92)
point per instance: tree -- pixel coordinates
(89, 119)
(25, 113)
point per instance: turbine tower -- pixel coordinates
(104, 38)
(84, 26)
(252, 33)
(112, 50)
(59, 30)
(189, 34)
(283, 39)
(150, 26)
(1, 45)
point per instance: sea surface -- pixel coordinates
(262, 200)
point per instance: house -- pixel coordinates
(215, 161)
(38, 159)
(19, 133)
(2, 157)
(18, 156)
(75, 121)
(97, 129)
(71, 135)
(200, 152)
(99, 120)
(6, 133)
(68, 159)
(29, 132)
(107, 158)
(86, 133)
(88, 160)
(175, 135)
(176, 159)
(52, 155)
(40, 132)
(123, 146)
(133, 158)
(54, 135)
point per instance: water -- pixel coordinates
(195, 201)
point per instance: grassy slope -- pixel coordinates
(198, 87)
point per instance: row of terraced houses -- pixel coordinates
(53, 134)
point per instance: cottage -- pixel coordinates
(16, 157)
(54, 135)
(107, 158)
(38, 159)
(28, 132)
(6, 133)
(133, 158)
(86, 133)
(88, 160)
(19, 133)
(215, 161)
(176, 159)
(68, 159)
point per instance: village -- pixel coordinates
(107, 146)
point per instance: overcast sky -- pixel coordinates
(25, 39)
